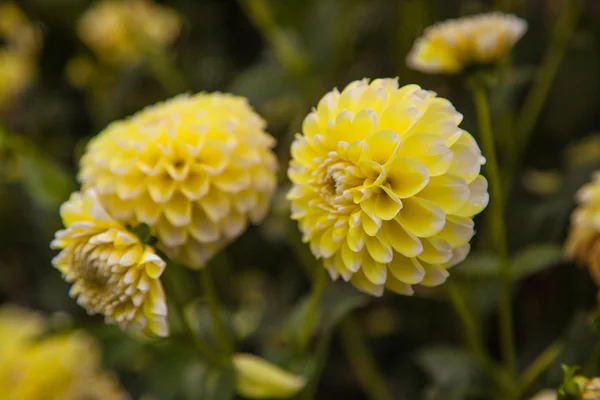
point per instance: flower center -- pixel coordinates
(91, 271)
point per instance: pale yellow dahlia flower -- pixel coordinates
(123, 31)
(386, 185)
(112, 272)
(57, 367)
(450, 46)
(18, 53)
(583, 241)
(195, 169)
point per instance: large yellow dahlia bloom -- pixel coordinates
(123, 31)
(450, 46)
(386, 185)
(583, 242)
(195, 169)
(112, 272)
(59, 367)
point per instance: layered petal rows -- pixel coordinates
(450, 46)
(112, 272)
(195, 169)
(385, 185)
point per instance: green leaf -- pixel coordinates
(569, 389)
(48, 185)
(535, 259)
(478, 266)
(208, 383)
(451, 372)
(337, 302)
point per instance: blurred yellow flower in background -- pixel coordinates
(452, 45)
(64, 366)
(386, 185)
(583, 241)
(17, 327)
(21, 42)
(121, 32)
(195, 169)
(112, 272)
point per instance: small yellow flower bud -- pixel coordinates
(260, 379)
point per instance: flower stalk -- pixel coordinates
(497, 221)
(544, 76)
(362, 360)
(208, 288)
(318, 285)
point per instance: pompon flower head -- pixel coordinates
(195, 169)
(120, 31)
(450, 46)
(583, 241)
(386, 185)
(112, 272)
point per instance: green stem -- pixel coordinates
(471, 330)
(497, 222)
(318, 285)
(210, 294)
(544, 76)
(178, 308)
(199, 344)
(539, 365)
(370, 379)
(362, 361)
(473, 338)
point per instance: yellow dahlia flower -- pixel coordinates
(20, 46)
(386, 185)
(112, 272)
(583, 241)
(450, 46)
(121, 31)
(61, 367)
(195, 169)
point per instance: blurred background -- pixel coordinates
(66, 73)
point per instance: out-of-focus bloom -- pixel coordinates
(259, 379)
(449, 46)
(112, 272)
(195, 169)
(17, 328)
(547, 394)
(58, 367)
(18, 53)
(122, 31)
(591, 389)
(583, 241)
(80, 70)
(386, 185)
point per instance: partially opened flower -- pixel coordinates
(583, 241)
(386, 185)
(195, 169)
(112, 272)
(450, 46)
(123, 31)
